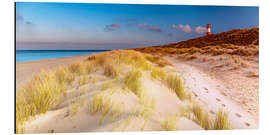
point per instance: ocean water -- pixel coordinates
(32, 55)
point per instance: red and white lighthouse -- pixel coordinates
(208, 27)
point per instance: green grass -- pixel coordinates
(175, 83)
(222, 122)
(170, 123)
(133, 82)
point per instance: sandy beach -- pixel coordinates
(26, 70)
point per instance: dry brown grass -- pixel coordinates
(158, 60)
(193, 56)
(241, 42)
(111, 70)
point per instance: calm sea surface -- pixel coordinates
(32, 55)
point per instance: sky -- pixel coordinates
(79, 26)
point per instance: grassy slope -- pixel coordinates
(243, 42)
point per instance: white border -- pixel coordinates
(7, 61)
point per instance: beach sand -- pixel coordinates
(26, 70)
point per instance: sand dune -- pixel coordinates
(129, 112)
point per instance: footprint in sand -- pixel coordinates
(224, 94)
(195, 94)
(212, 112)
(206, 90)
(51, 131)
(67, 114)
(238, 115)
(247, 124)
(218, 99)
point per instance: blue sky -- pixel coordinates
(116, 26)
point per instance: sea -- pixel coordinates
(33, 55)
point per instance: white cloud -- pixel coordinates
(200, 30)
(186, 28)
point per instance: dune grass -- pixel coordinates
(38, 96)
(76, 105)
(102, 103)
(108, 84)
(64, 76)
(175, 83)
(84, 80)
(111, 70)
(115, 111)
(77, 68)
(222, 122)
(157, 60)
(146, 114)
(158, 73)
(201, 117)
(105, 110)
(170, 123)
(133, 82)
(96, 104)
(90, 67)
(128, 122)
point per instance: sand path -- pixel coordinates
(208, 90)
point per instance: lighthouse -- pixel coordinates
(208, 27)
